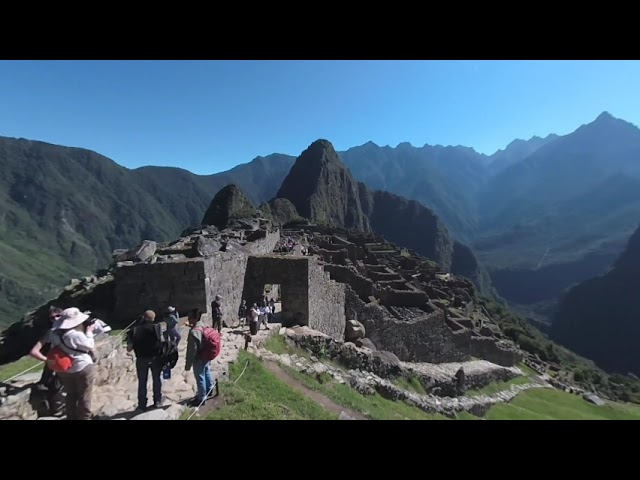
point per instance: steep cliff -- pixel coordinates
(600, 318)
(323, 190)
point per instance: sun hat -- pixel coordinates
(171, 309)
(71, 318)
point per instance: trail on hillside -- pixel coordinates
(317, 397)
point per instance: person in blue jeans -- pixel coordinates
(201, 369)
(145, 340)
(172, 319)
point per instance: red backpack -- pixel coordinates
(211, 343)
(58, 360)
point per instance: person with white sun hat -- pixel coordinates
(73, 358)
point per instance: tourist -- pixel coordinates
(172, 319)
(216, 313)
(272, 304)
(254, 314)
(74, 336)
(49, 386)
(201, 369)
(145, 339)
(266, 316)
(242, 312)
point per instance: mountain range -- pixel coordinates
(541, 215)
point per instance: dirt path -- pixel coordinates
(317, 397)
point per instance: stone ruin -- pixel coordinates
(398, 301)
(379, 307)
(350, 285)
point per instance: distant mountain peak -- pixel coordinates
(605, 116)
(322, 189)
(229, 204)
(606, 124)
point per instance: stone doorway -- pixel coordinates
(286, 276)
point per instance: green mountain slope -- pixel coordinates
(64, 210)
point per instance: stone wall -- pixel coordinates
(402, 298)
(326, 302)
(291, 273)
(427, 340)
(360, 284)
(339, 257)
(155, 286)
(498, 353)
(225, 276)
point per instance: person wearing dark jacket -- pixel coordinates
(145, 339)
(49, 386)
(216, 313)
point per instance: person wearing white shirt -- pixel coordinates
(77, 342)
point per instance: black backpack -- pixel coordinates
(167, 350)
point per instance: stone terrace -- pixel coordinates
(406, 304)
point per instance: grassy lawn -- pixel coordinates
(10, 369)
(533, 404)
(548, 404)
(277, 344)
(411, 384)
(373, 406)
(260, 395)
(527, 370)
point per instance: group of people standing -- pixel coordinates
(70, 362)
(261, 313)
(203, 345)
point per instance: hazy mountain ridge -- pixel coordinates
(63, 210)
(600, 318)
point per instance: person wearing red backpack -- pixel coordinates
(73, 358)
(203, 345)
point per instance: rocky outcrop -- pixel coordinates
(354, 331)
(323, 190)
(280, 212)
(228, 205)
(410, 224)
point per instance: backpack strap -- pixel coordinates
(61, 336)
(158, 331)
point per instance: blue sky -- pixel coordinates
(207, 116)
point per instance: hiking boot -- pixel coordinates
(141, 408)
(157, 404)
